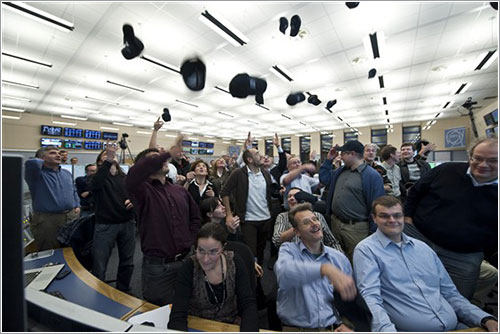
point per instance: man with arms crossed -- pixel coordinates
(403, 282)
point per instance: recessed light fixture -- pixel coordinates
(187, 103)
(102, 100)
(433, 122)
(19, 84)
(226, 142)
(27, 59)
(74, 117)
(39, 15)
(12, 109)
(11, 117)
(253, 122)
(108, 128)
(161, 64)
(122, 124)
(15, 98)
(224, 28)
(286, 116)
(281, 72)
(124, 86)
(64, 123)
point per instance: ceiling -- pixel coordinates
(431, 48)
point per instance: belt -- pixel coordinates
(330, 328)
(347, 221)
(162, 260)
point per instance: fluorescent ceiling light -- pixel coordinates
(304, 124)
(187, 103)
(223, 90)
(124, 86)
(186, 132)
(387, 112)
(162, 64)
(487, 58)
(463, 87)
(63, 123)
(19, 84)
(171, 136)
(208, 136)
(281, 72)
(210, 140)
(253, 122)
(340, 119)
(262, 106)
(144, 132)
(11, 117)
(381, 82)
(122, 124)
(224, 28)
(108, 128)
(388, 121)
(102, 100)
(286, 116)
(433, 122)
(27, 59)
(384, 100)
(15, 98)
(12, 109)
(40, 15)
(74, 117)
(225, 114)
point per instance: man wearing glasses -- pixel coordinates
(352, 189)
(453, 208)
(405, 284)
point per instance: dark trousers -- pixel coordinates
(105, 237)
(255, 236)
(46, 225)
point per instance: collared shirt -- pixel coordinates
(305, 298)
(303, 182)
(348, 200)
(476, 182)
(394, 175)
(51, 190)
(407, 287)
(257, 208)
(169, 218)
(283, 224)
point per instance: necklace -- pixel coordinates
(219, 304)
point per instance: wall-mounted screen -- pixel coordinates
(186, 149)
(48, 130)
(92, 134)
(202, 151)
(210, 151)
(74, 144)
(51, 142)
(186, 143)
(110, 136)
(494, 115)
(206, 145)
(195, 144)
(93, 145)
(194, 151)
(488, 119)
(71, 132)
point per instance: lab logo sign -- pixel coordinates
(454, 137)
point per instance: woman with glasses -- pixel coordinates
(214, 284)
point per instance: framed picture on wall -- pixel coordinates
(454, 137)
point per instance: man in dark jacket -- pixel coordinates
(251, 187)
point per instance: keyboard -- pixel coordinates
(29, 277)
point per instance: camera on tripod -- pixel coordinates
(123, 141)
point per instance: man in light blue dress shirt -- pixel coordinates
(403, 282)
(308, 273)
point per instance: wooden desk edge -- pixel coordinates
(98, 285)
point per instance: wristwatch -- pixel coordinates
(483, 321)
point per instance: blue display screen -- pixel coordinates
(74, 144)
(91, 134)
(93, 145)
(51, 142)
(49, 130)
(110, 136)
(75, 133)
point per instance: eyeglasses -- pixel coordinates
(211, 253)
(308, 221)
(478, 160)
(397, 215)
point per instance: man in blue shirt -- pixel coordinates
(403, 282)
(54, 197)
(308, 273)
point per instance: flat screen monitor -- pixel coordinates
(488, 119)
(49, 130)
(186, 143)
(210, 145)
(186, 149)
(194, 151)
(71, 132)
(195, 144)
(494, 115)
(93, 145)
(51, 142)
(202, 151)
(73, 144)
(92, 134)
(210, 151)
(110, 136)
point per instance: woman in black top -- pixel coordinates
(197, 183)
(214, 284)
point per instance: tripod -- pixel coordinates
(123, 154)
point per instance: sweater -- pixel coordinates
(447, 208)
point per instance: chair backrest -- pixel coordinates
(246, 254)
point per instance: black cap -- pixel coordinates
(352, 145)
(352, 5)
(494, 5)
(295, 98)
(313, 99)
(243, 85)
(166, 115)
(133, 46)
(295, 25)
(283, 24)
(372, 73)
(303, 196)
(193, 72)
(331, 104)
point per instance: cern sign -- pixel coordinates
(454, 137)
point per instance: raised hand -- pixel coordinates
(158, 124)
(210, 192)
(332, 153)
(276, 140)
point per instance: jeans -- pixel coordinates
(105, 237)
(158, 281)
(463, 268)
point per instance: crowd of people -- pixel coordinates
(407, 241)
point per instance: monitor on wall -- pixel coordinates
(488, 119)
(49, 130)
(51, 142)
(494, 115)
